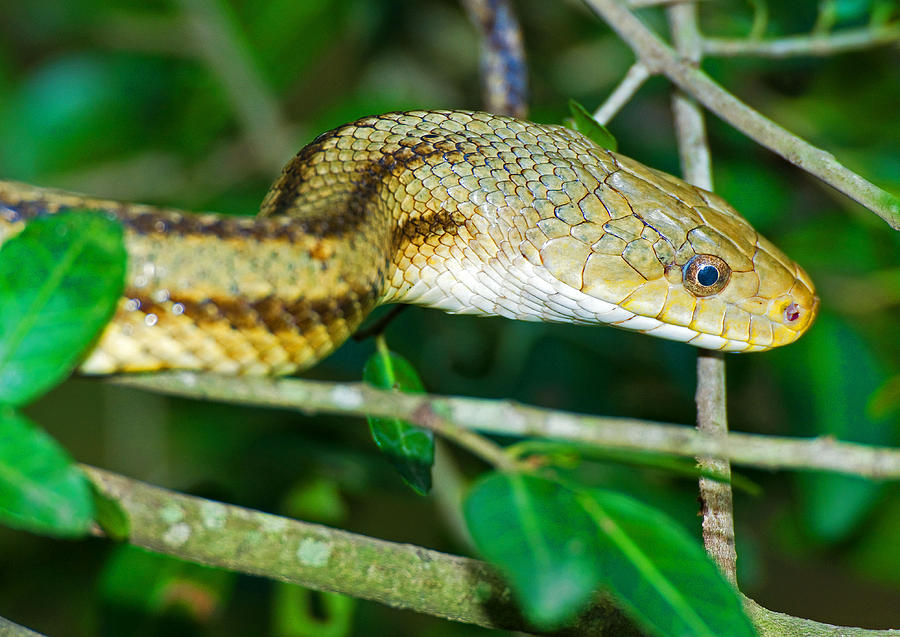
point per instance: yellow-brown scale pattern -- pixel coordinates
(465, 211)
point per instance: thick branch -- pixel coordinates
(325, 559)
(810, 45)
(400, 575)
(510, 419)
(659, 57)
(11, 629)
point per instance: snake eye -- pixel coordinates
(706, 274)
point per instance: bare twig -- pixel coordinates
(716, 500)
(643, 4)
(220, 45)
(810, 45)
(659, 57)
(715, 495)
(504, 76)
(633, 80)
(507, 418)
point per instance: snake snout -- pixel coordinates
(792, 313)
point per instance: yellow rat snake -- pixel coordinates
(464, 211)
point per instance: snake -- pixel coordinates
(468, 212)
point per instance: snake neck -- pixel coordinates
(251, 295)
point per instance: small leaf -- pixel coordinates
(539, 535)
(584, 123)
(110, 516)
(662, 575)
(60, 281)
(409, 448)
(41, 489)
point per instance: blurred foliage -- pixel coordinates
(111, 97)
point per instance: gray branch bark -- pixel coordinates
(322, 558)
(507, 418)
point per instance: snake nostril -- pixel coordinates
(792, 313)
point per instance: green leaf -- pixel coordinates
(60, 281)
(584, 123)
(660, 573)
(41, 489)
(539, 535)
(409, 448)
(110, 516)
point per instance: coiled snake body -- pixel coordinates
(464, 211)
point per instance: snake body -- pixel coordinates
(464, 211)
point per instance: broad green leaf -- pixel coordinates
(409, 448)
(60, 280)
(584, 123)
(659, 573)
(539, 535)
(41, 489)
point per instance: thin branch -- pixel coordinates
(220, 45)
(690, 129)
(506, 418)
(399, 575)
(644, 4)
(659, 57)
(633, 80)
(808, 45)
(325, 559)
(504, 74)
(716, 498)
(715, 495)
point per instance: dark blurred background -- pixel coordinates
(197, 103)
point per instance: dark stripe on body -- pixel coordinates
(273, 314)
(369, 178)
(148, 220)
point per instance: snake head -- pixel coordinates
(536, 222)
(669, 259)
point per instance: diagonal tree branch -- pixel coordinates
(507, 418)
(326, 559)
(659, 57)
(399, 575)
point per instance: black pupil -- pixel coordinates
(707, 275)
